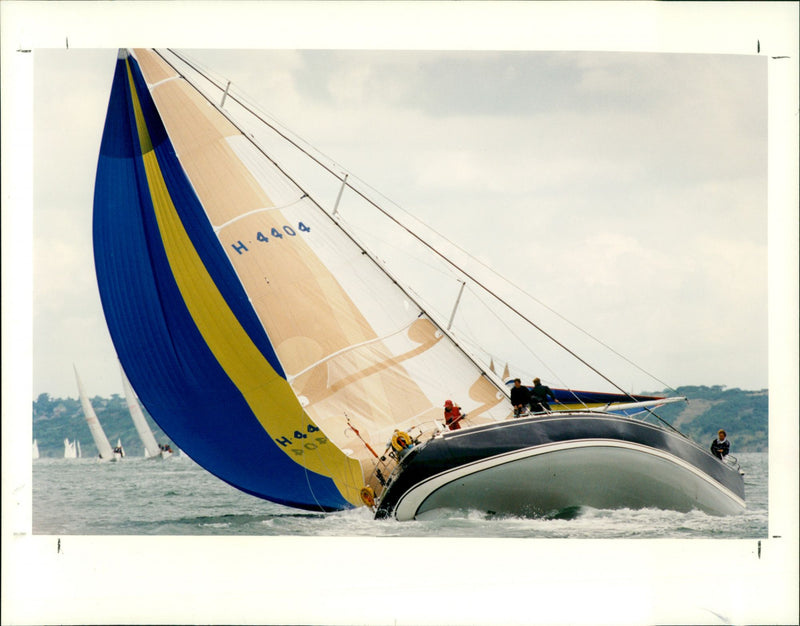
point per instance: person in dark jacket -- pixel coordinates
(520, 397)
(721, 446)
(539, 395)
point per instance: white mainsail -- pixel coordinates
(100, 439)
(35, 449)
(151, 448)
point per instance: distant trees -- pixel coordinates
(743, 414)
(55, 419)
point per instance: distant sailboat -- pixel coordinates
(282, 354)
(151, 448)
(70, 451)
(35, 449)
(105, 452)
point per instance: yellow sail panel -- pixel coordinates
(295, 294)
(268, 394)
(352, 344)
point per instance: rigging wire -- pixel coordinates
(505, 279)
(544, 364)
(284, 133)
(377, 262)
(414, 235)
(514, 334)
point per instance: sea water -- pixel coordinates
(151, 541)
(139, 496)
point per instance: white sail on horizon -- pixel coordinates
(151, 447)
(101, 441)
(70, 451)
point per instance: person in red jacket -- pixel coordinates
(452, 415)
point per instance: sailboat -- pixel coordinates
(35, 451)
(105, 452)
(70, 452)
(151, 448)
(273, 347)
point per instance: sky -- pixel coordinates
(625, 183)
(626, 191)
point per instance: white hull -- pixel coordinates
(162, 454)
(547, 479)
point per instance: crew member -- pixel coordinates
(520, 397)
(452, 415)
(401, 443)
(539, 395)
(721, 446)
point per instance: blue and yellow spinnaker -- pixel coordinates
(253, 329)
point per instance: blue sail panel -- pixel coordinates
(591, 398)
(158, 323)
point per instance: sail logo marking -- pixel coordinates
(274, 233)
(298, 437)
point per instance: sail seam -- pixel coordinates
(292, 377)
(335, 219)
(425, 243)
(152, 86)
(217, 229)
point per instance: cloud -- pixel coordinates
(619, 188)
